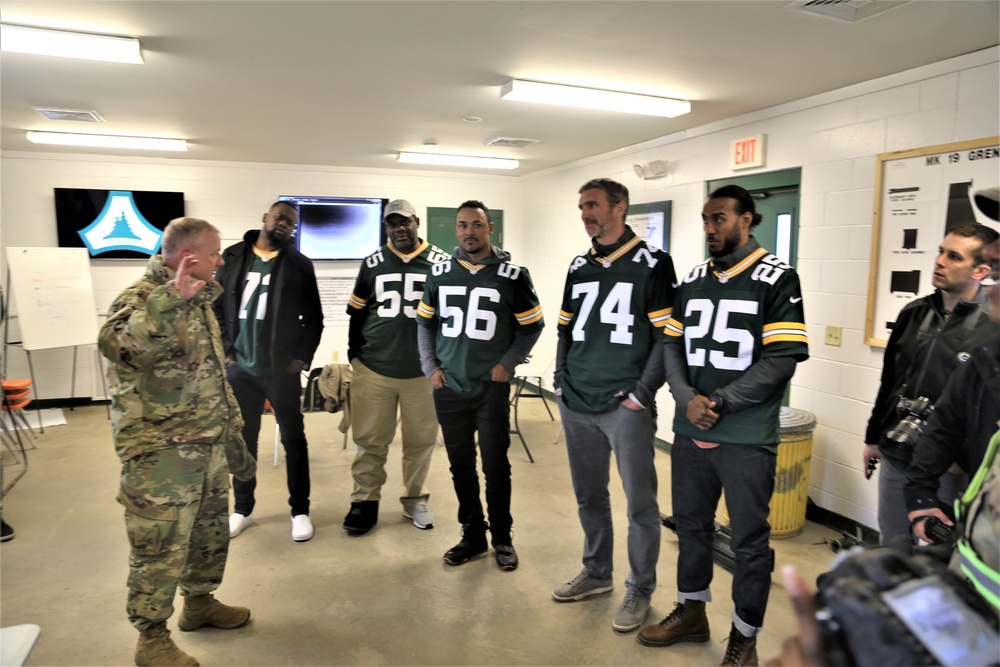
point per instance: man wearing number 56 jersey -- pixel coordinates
(732, 343)
(382, 348)
(608, 368)
(478, 319)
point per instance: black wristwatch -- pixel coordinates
(716, 397)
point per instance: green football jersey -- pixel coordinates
(728, 320)
(251, 343)
(476, 310)
(385, 297)
(611, 310)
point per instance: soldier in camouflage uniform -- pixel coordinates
(177, 428)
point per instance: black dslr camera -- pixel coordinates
(914, 413)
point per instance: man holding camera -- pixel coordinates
(930, 338)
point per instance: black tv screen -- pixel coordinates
(115, 224)
(338, 227)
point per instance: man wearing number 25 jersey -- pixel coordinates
(382, 348)
(479, 318)
(608, 368)
(732, 343)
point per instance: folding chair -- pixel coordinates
(530, 370)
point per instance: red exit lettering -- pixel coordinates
(746, 151)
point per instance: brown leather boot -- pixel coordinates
(686, 623)
(741, 651)
(200, 610)
(155, 647)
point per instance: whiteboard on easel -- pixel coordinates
(53, 297)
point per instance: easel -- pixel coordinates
(55, 307)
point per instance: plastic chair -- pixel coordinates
(16, 397)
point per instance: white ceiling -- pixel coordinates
(352, 83)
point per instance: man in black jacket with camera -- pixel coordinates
(932, 336)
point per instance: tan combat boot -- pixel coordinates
(741, 651)
(686, 623)
(155, 647)
(200, 610)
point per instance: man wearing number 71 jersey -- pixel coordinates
(608, 368)
(478, 319)
(732, 343)
(382, 348)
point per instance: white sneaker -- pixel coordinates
(422, 517)
(237, 522)
(302, 528)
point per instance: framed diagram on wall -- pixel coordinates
(919, 195)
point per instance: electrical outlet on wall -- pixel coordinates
(336, 355)
(833, 335)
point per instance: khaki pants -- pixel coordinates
(374, 399)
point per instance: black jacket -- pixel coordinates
(960, 427)
(293, 323)
(908, 369)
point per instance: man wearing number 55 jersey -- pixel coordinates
(382, 348)
(732, 343)
(478, 319)
(608, 368)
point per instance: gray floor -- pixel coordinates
(385, 598)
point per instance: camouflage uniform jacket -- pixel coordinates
(167, 374)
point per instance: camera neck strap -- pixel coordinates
(922, 335)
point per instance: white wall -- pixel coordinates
(833, 137)
(232, 196)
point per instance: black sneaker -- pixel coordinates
(7, 532)
(362, 517)
(506, 556)
(473, 543)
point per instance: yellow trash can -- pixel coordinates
(791, 476)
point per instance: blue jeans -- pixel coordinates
(698, 477)
(461, 418)
(590, 440)
(284, 391)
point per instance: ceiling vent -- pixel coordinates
(71, 114)
(509, 142)
(851, 11)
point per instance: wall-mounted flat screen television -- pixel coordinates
(338, 227)
(115, 224)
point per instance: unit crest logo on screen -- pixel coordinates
(120, 226)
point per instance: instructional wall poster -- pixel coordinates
(919, 195)
(334, 293)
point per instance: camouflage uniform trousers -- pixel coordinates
(176, 515)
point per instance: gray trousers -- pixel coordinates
(893, 519)
(590, 440)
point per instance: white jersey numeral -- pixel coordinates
(391, 300)
(478, 323)
(616, 310)
(721, 332)
(253, 280)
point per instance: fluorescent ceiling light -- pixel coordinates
(592, 98)
(107, 141)
(458, 160)
(65, 44)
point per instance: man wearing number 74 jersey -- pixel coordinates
(732, 343)
(478, 319)
(608, 368)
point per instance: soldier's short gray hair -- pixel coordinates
(184, 231)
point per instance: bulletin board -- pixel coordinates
(919, 195)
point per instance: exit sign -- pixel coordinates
(747, 152)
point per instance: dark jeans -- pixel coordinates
(698, 477)
(284, 391)
(461, 418)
